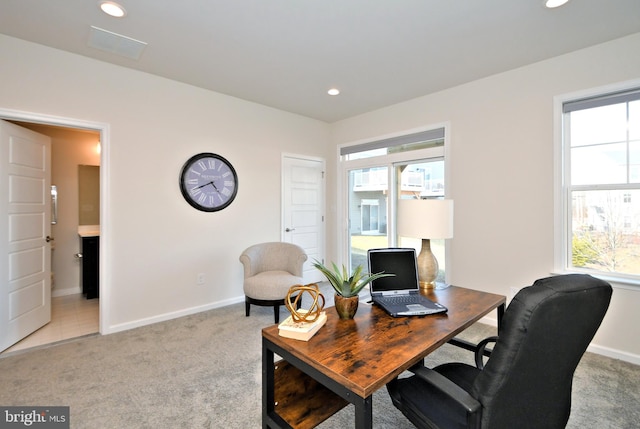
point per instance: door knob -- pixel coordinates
(289, 229)
(49, 239)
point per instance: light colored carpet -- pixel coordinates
(204, 371)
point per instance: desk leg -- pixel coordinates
(268, 396)
(500, 310)
(467, 345)
(363, 413)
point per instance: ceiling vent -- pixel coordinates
(114, 43)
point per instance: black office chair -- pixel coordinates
(526, 383)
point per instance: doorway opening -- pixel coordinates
(74, 143)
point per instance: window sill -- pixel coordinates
(616, 281)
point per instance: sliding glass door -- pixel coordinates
(368, 203)
(378, 173)
(372, 203)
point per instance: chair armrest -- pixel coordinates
(249, 270)
(480, 350)
(452, 390)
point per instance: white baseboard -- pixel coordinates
(593, 348)
(64, 292)
(169, 316)
(491, 321)
(613, 353)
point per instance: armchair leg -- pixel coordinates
(275, 303)
(276, 313)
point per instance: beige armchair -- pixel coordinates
(270, 269)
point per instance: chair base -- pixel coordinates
(275, 303)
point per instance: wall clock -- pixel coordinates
(208, 182)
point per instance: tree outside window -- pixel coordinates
(602, 177)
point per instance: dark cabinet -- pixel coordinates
(89, 269)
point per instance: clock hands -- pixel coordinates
(209, 183)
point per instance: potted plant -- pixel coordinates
(347, 287)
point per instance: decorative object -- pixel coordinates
(294, 299)
(208, 182)
(426, 219)
(301, 330)
(346, 307)
(347, 287)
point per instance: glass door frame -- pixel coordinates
(390, 161)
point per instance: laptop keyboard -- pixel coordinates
(402, 299)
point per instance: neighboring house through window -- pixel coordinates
(599, 193)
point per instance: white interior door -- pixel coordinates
(303, 209)
(25, 229)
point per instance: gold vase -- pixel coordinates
(346, 307)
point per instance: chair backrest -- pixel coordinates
(545, 330)
(273, 256)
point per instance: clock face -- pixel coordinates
(208, 182)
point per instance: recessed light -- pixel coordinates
(554, 3)
(333, 91)
(113, 9)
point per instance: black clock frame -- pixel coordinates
(185, 191)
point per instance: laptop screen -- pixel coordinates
(398, 261)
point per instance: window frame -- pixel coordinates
(390, 161)
(562, 189)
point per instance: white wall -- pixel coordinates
(157, 242)
(502, 172)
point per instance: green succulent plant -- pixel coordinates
(344, 284)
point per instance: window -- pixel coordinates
(430, 176)
(601, 185)
(378, 173)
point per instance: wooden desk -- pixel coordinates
(352, 358)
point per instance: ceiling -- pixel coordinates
(287, 53)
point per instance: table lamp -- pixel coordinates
(426, 219)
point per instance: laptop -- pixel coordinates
(399, 295)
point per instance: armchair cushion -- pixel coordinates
(270, 284)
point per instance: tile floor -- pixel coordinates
(71, 316)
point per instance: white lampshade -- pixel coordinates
(432, 219)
